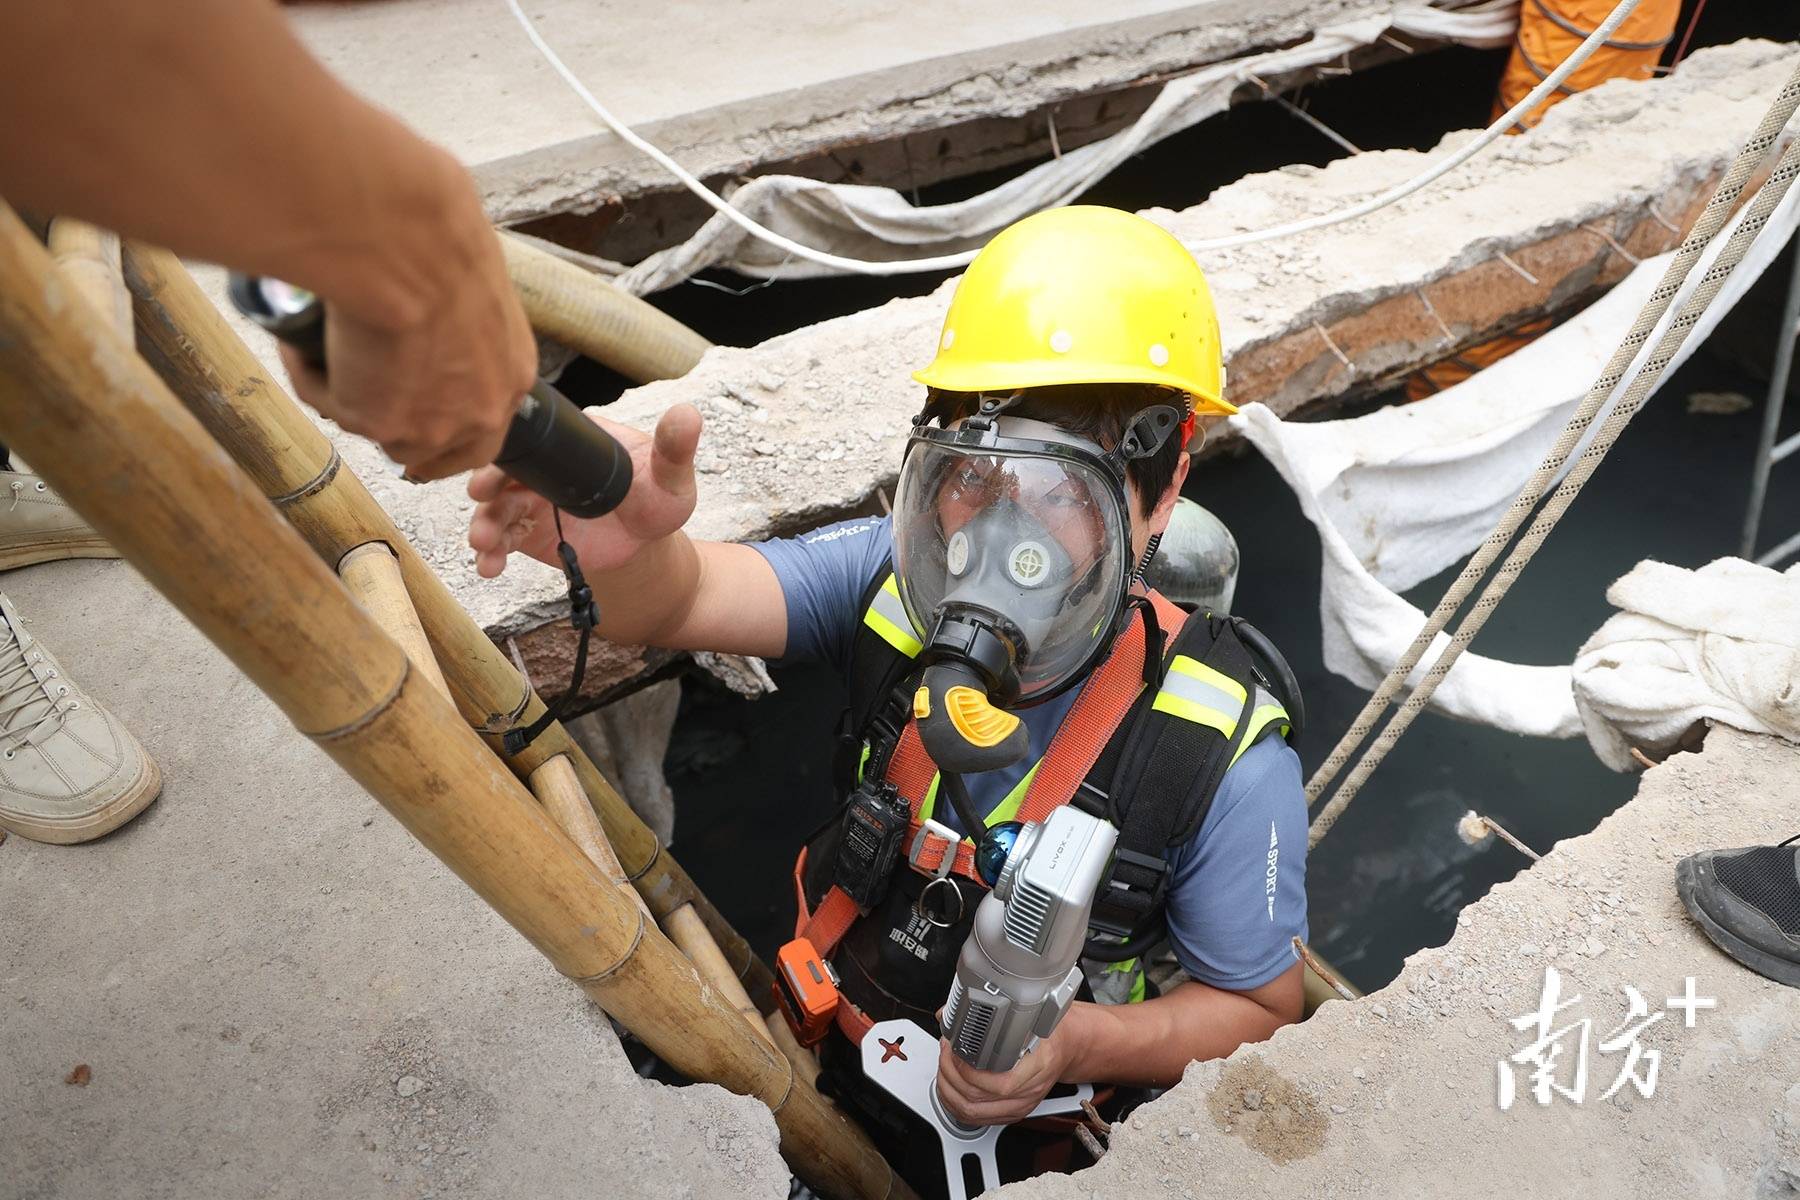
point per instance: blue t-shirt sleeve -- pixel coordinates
(1237, 895)
(823, 575)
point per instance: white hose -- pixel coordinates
(945, 262)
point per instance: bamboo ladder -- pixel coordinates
(100, 425)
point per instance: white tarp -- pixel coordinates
(877, 223)
(1403, 493)
(1721, 643)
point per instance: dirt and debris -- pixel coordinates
(1266, 1112)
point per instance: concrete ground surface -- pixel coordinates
(727, 88)
(1397, 1094)
(278, 993)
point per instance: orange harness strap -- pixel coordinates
(1104, 701)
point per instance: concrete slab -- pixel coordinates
(762, 81)
(278, 993)
(1398, 1093)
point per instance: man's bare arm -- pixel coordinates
(205, 126)
(1152, 1043)
(656, 586)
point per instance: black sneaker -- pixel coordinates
(1748, 902)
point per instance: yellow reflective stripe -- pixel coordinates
(1196, 692)
(1260, 718)
(887, 617)
(1136, 995)
(1006, 810)
(1182, 669)
(1200, 714)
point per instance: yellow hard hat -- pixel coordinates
(1082, 294)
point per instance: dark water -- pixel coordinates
(752, 778)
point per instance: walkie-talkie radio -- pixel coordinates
(874, 827)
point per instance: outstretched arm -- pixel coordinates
(205, 126)
(1148, 1044)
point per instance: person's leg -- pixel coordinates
(1748, 902)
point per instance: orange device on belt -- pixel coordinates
(805, 991)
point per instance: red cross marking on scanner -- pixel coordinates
(892, 1049)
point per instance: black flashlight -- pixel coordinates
(550, 446)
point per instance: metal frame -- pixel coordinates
(1768, 450)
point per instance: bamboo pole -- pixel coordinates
(804, 1060)
(688, 931)
(373, 576)
(559, 791)
(112, 439)
(556, 788)
(190, 344)
(586, 313)
(89, 258)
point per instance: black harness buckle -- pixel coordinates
(1132, 892)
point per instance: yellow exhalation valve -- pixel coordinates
(960, 729)
(979, 722)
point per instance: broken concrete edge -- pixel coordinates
(1403, 1084)
(809, 427)
(1009, 80)
(629, 228)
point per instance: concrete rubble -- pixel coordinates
(1398, 1093)
(276, 992)
(463, 73)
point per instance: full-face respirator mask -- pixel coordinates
(1011, 548)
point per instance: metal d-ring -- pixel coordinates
(924, 912)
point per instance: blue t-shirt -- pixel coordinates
(1237, 889)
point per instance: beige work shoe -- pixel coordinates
(36, 525)
(69, 772)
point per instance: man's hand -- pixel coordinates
(509, 517)
(226, 141)
(435, 386)
(1003, 1097)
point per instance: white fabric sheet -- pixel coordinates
(877, 223)
(1721, 643)
(1403, 493)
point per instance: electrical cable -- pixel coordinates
(945, 262)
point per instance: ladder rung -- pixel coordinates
(1783, 449)
(1780, 552)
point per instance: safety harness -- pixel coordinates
(1174, 704)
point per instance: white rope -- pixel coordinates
(945, 262)
(1755, 151)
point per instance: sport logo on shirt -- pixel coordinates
(1269, 875)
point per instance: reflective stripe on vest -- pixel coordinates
(1195, 692)
(1265, 711)
(887, 617)
(1006, 810)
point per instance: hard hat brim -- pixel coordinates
(987, 377)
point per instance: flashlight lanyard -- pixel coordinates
(584, 614)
